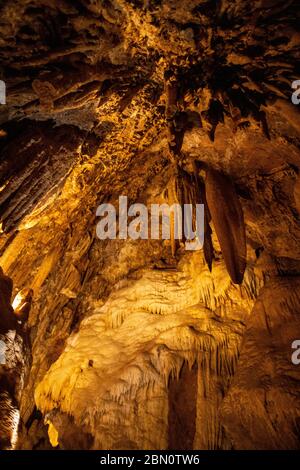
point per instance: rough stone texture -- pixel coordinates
(262, 410)
(123, 97)
(14, 359)
(183, 409)
(171, 315)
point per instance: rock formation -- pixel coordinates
(15, 359)
(141, 344)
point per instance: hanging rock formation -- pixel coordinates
(228, 219)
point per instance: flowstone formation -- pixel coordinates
(141, 344)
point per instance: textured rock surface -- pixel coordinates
(116, 97)
(170, 313)
(14, 359)
(264, 395)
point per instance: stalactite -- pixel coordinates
(201, 199)
(180, 190)
(227, 217)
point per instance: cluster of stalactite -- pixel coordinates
(222, 207)
(215, 191)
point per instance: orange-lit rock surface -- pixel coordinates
(137, 344)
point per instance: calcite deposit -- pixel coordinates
(141, 344)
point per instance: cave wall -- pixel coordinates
(137, 344)
(266, 378)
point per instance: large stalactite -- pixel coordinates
(141, 344)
